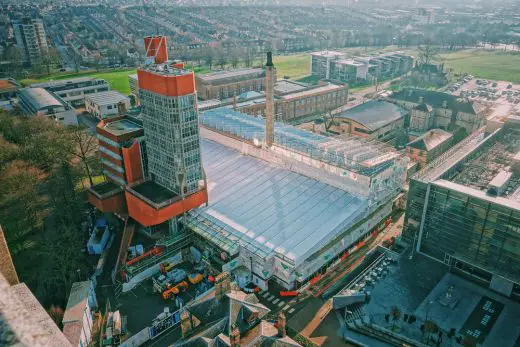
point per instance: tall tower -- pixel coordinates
(170, 120)
(270, 76)
(30, 39)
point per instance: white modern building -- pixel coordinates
(74, 90)
(40, 102)
(30, 39)
(78, 318)
(106, 104)
(289, 212)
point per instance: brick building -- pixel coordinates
(295, 101)
(226, 84)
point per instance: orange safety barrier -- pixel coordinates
(288, 293)
(153, 251)
(345, 255)
(315, 279)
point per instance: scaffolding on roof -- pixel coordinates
(347, 153)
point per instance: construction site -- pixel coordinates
(278, 208)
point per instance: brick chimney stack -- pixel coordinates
(222, 285)
(281, 324)
(270, 76)
(234, 337)
(186, 326)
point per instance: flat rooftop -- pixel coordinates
(418, 287)
(488, 163)
(364, 156)
(268, 209)
(105, 187)
(214, 76)
(122, 126)
(350, 62)
(154, 192)
(304, 93)
(288, 86)
(108, 97)
(56, 83)
(328, 54)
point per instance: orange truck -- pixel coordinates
(195, 278)
(175, 290)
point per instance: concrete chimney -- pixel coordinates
(281, 323)
(270, 76)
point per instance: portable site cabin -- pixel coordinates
(99, 237)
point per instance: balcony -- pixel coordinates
(107, 197)
(151, 204)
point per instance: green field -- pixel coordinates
(117, 79)
(293, 66)
(496, 65)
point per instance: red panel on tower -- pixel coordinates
(157, 48)
(165, 84)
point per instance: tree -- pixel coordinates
(427, 53)
(65, 202)
(234, 57)
(21, 207)
(222, 59)
(208, 57)
(56, 314)
(84, 149)
(50, 59)
(395, 312)
(65, 264)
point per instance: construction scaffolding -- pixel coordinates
(363, 156)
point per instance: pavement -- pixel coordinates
(89, 121)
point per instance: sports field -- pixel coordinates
(495, 65)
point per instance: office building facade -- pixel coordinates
(456, 215)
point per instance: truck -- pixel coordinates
(175, 290)
(167, 280)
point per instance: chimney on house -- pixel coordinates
(222, 285)
(281, 324)
(270, 73)
(186, 326)
(234, 337)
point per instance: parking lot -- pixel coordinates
(495, 99)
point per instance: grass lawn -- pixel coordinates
(293, 66)
(118, 79)
(496, 65)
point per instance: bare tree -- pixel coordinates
(427, 53)
(85, 147)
